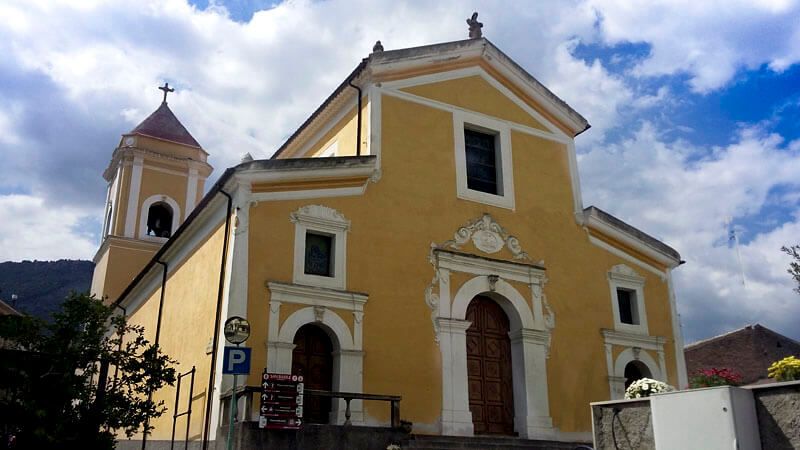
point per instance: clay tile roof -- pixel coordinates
(749, 351)
(163, 124)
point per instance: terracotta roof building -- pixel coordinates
(749, 351)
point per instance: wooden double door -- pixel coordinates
(489, 376)
(312, 357)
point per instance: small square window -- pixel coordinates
(627, 307)
(318, 257)
(483, 162)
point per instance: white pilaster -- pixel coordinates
(358, 329)
(274, 321)
(456, 416)
(680, 360)
(444, 293)
(191, 192)
(350, 373)
(236, 294)
(610, 370)
(532, 413)
(536, 296)
(279, 357)
(133, 197)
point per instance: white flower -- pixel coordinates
(646, 387)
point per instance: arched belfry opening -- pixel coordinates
(489, 368)
(312, 357)
(159, 220)
(636, 370)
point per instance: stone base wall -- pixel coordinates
(778, 412)
(631, 421)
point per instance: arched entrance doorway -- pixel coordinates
(636, 370)
(312, 357)
(489, 376)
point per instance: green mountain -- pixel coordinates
(41, 286)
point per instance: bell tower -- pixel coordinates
(155, 178)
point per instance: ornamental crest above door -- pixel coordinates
(488, 236)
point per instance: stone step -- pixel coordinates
(484, 442)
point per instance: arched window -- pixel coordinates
(636, 370)
(159, 220)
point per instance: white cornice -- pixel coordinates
(120, 153)
(533, 336)
(660, 257)
(316, 296)
(260, 175)
(321, 216)
(477, 265)
(626, 339)
(621, 272)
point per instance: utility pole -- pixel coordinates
(733, 237)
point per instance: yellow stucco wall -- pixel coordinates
(392, 226)
(344, 134)
(476, 94)
(187, 325)
(119, 264)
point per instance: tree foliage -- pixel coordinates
(794, 266)
(50, 396)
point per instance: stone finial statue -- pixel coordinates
(474, 26)
(378, 47)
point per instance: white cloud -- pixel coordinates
(75, 75)
(709, 40)
(665, 190)
(31, 230)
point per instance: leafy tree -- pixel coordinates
(50, 396)
(794, 266)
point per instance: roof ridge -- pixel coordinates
(719, 336)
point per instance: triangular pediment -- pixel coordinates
(476, 93)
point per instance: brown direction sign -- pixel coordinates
(281, 401)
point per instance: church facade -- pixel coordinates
(422, 234)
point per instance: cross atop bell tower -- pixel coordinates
(166, 90)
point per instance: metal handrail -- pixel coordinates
(394, 400)
(187, 413)
(347, 396)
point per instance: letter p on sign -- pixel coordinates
(236, 360)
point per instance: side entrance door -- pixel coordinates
(312, 357)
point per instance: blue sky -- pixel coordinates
(694, 106)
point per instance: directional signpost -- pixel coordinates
(236, 360)
(281, 401)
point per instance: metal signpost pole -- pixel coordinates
(233, 413)
(236, 330)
